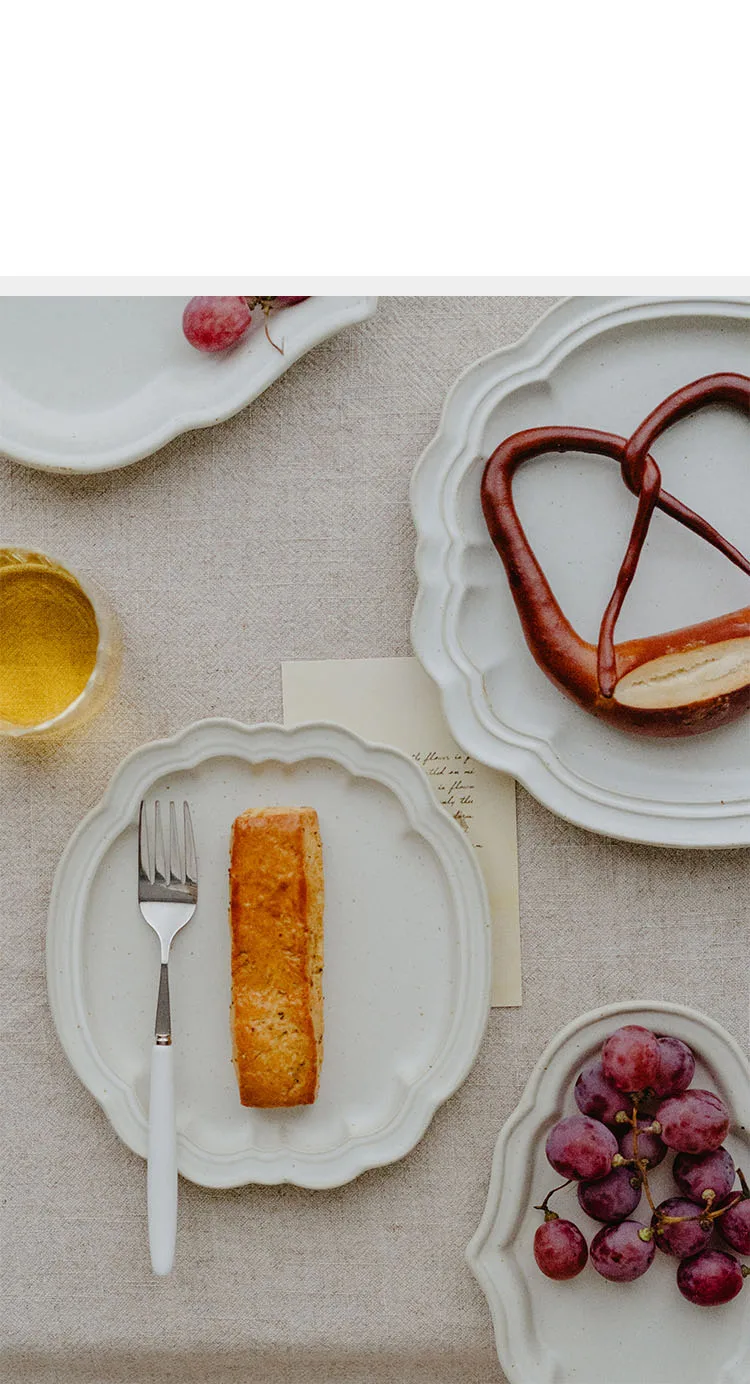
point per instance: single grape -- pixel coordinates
(596, 1096)
(650, 1146)
(213, 324)
(630, 1058)
(676, 1067)
(693, 1122)
(709, 1279)
(734, 1225)
(619, 1254)
(560, 1249)
(687, 1236)
(696, 1173)
(611, 1198)
(580, 1147)
(288, 302)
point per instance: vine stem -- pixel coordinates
(276, 347)
(640, 1163)
(267, 306)
(721, 1210)
(552, 1215)
(642, 1166)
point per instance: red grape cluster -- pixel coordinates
(214, 324)
(636, 1104)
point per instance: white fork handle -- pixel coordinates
(162, 1161)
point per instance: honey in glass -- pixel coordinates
(57, 645)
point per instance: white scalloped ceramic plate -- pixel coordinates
(589, 1331)
(601, 363)
(90, 384)
(406, 975)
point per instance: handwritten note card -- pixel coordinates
(392, 700)
(454, 780)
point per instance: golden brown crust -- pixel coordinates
(276, 923)
(718, 690)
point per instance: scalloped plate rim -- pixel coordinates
(328, 315)
(488, 1276)
(528, 757)
(385, 765)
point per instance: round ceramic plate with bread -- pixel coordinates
(591, 366)
(406, 953)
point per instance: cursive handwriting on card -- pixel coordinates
(392, 701)
(454, 780)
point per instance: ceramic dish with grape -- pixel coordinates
(618, 1209)
(93, 383)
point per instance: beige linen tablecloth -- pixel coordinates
(285, 534)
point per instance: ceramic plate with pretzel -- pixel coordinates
(632, 506)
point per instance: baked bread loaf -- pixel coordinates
(276, 922)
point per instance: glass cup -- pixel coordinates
(59, 646)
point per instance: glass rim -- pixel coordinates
(105, 647)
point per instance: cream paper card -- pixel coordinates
(393, 701)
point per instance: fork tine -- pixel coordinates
(160, 859)
(176, 872)
(144, 861)
(191, 856)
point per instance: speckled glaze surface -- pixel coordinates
(406, 973)
(589, 1331)
(603, 364)
(92, 384)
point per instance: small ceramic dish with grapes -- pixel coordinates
(615, 1242)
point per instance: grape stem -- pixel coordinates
(267, 305)
(640, 1163)
(548, 1214)
(276, 347)
(721, 1210)
(706, 1217)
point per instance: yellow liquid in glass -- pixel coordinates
(48, 643)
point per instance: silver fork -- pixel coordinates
(167, 896)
